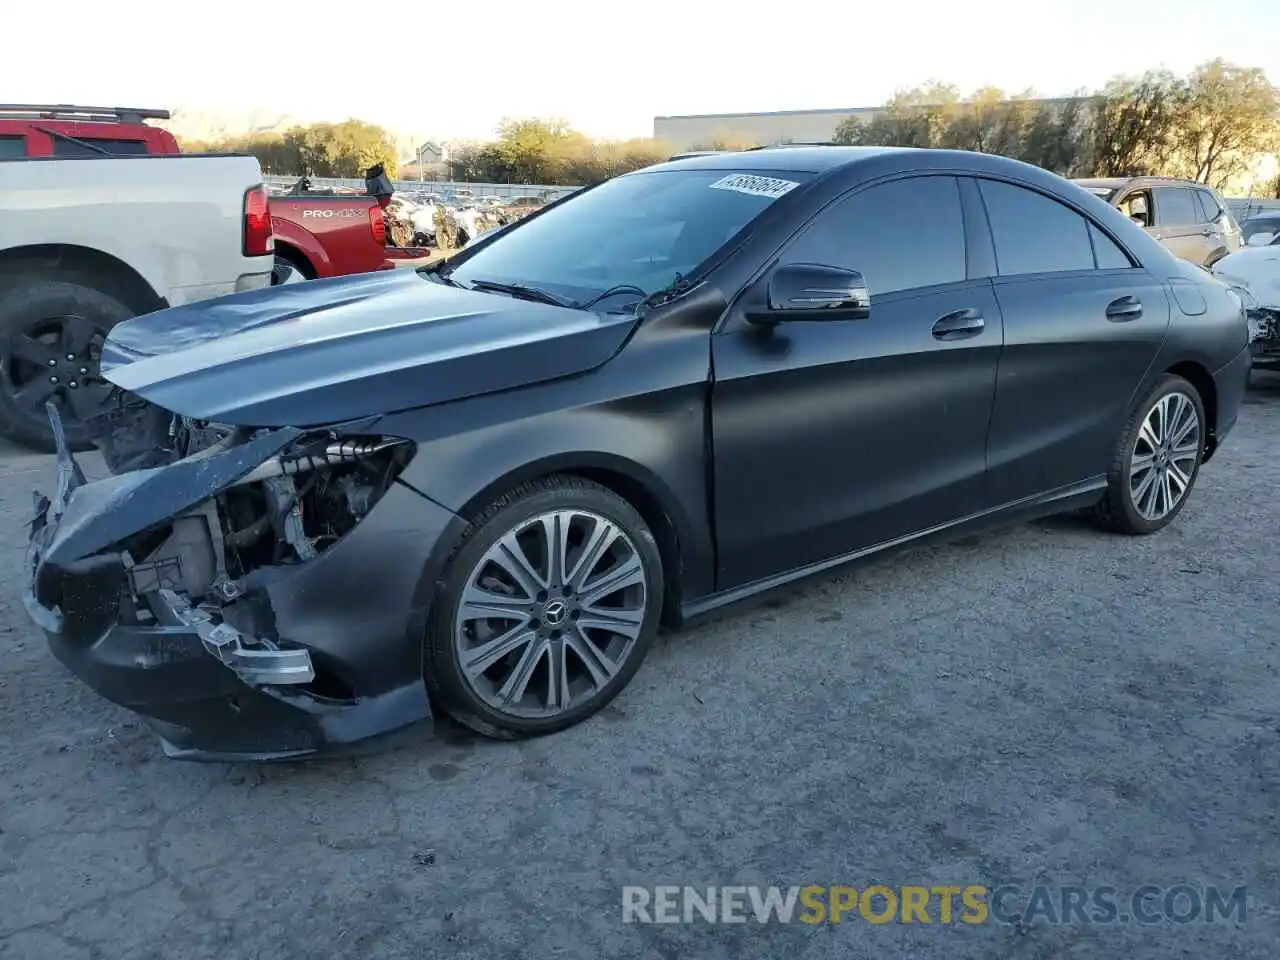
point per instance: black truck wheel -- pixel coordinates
(51, 336)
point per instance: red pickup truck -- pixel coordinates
(317, 234)
(328, 234)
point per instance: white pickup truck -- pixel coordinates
(86, 243)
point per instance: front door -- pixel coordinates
(831, 436)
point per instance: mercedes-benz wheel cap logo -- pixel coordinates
(554, 613)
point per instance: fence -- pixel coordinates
(445, 188)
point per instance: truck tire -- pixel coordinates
(289, 269)
(51, 335)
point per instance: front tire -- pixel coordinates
(1156, 460)
(546, 610)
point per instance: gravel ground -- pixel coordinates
(1048, 704)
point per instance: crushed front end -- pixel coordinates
(241, 592)
(1264, 336)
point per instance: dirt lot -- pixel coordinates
(1045, 704)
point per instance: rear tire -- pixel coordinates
(1156, 460)
(51, 334)
(567, 636)
(288, 269)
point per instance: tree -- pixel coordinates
(1228, 116)
(1059, 137)
(530, 149)
(344, 149)
(917, 117)
(989, 122)
(1135, 124)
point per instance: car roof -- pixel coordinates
(869, 162)
(800, 159)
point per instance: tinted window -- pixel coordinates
(1106, 255)
(127, 148)
(1174, 207)
(638, 230)
(1033, 233)
(899, 236)
(1209, 204)
(11, 148)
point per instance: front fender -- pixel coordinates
(650, 449)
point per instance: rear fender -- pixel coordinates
(305, 242)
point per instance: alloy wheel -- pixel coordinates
(551, 613)
(1165, 456)
(56, 360)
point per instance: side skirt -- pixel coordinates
(1063, 500)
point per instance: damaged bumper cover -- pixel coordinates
(1264, 336)
(284, 662)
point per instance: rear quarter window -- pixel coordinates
(117, 148)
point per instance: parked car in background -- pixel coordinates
(87, 243)
(68, 131)
(1255, 272)
(479, 487)
(1246, 208)
(1261, 230)
(1189, 219)
(518, 207)
(327, 235)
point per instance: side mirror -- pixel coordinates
(1260, 239)
(811, 291)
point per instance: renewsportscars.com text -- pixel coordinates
(972, 904)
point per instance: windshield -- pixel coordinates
(637, 231)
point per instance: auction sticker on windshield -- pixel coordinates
(756, 186)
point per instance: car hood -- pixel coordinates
(327, 351)
(1257, 270)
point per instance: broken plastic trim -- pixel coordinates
(258, 663)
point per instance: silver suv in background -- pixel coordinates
(1189, 219)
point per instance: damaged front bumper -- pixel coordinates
(1264, 337)
(250, 672)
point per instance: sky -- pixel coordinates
(607, 69)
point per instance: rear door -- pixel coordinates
(1082, 326)
(1179, 224)
(832, 436)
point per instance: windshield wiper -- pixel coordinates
(612, 292)
(521, 291)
